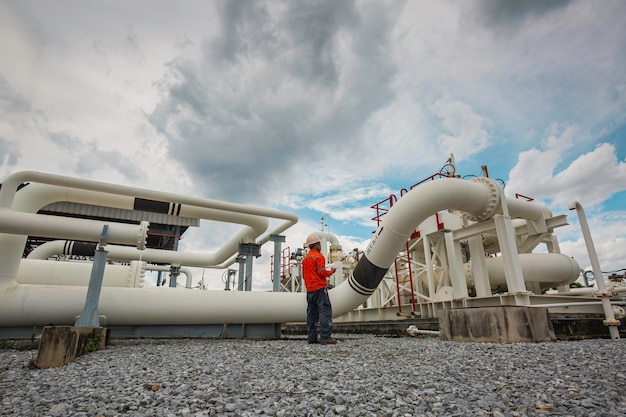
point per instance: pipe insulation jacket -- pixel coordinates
(407, 213)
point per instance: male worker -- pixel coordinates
(318, 307)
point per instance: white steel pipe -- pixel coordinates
(54, 188)
(35, 196)
(48, 188)
(44, 272)
(526, 210)
(59, 247)
(11, 183)
(39, 304)
(18, 223)
(127, 253)
(552, 269)
(610, 321)
(36, 271)
(168, 268)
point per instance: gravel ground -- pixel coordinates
(363, 375)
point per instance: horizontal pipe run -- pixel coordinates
(11, 183)
(59, 305)
(553, 269)
(574, 304)
(18, 223)
(36, 271)
(44, 272)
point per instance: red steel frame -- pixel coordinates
(382, 208)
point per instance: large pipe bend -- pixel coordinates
(11, 183)
(200, 260)
(127, 253)
(472, 197)
(36, 196)
(48, 188)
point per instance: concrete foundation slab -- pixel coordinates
(209, 331)
(60, 345)
(500, 324)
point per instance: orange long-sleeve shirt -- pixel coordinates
(314, 271)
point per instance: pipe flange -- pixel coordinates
(142, 239)
(493, 204)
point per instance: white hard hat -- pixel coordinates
(312, 238)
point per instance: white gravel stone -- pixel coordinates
(363, 375)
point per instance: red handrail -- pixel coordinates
(517, 195)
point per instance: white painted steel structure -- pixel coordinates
(482, 201)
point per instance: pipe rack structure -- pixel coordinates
(178, 312)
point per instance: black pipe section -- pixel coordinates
(152, 206)
(79, 248)
(366, 276)
(155, 206)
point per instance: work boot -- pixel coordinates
(329, 341)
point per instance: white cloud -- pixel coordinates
(318, 106)
(467, 134)
(557, 176)
(608, 232)
(585, 179)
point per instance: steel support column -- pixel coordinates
(89, 316)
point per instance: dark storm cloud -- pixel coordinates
(89, 157)
(279, 91)
(314, 31)
(249, 29)
(511, 13)
(246, 27)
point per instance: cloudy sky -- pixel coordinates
(323, 108)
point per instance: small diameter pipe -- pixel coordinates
(605, 296)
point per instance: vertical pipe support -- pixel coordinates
(510, 255)
(277, 239)
(241, 260)
(604, 295)
(89, 316)
(430, 276)
(175, 269)
(455, 261)
(248, 279)
(479, 267)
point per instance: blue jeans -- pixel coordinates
(318, 309)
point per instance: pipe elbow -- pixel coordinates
(574, 205)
